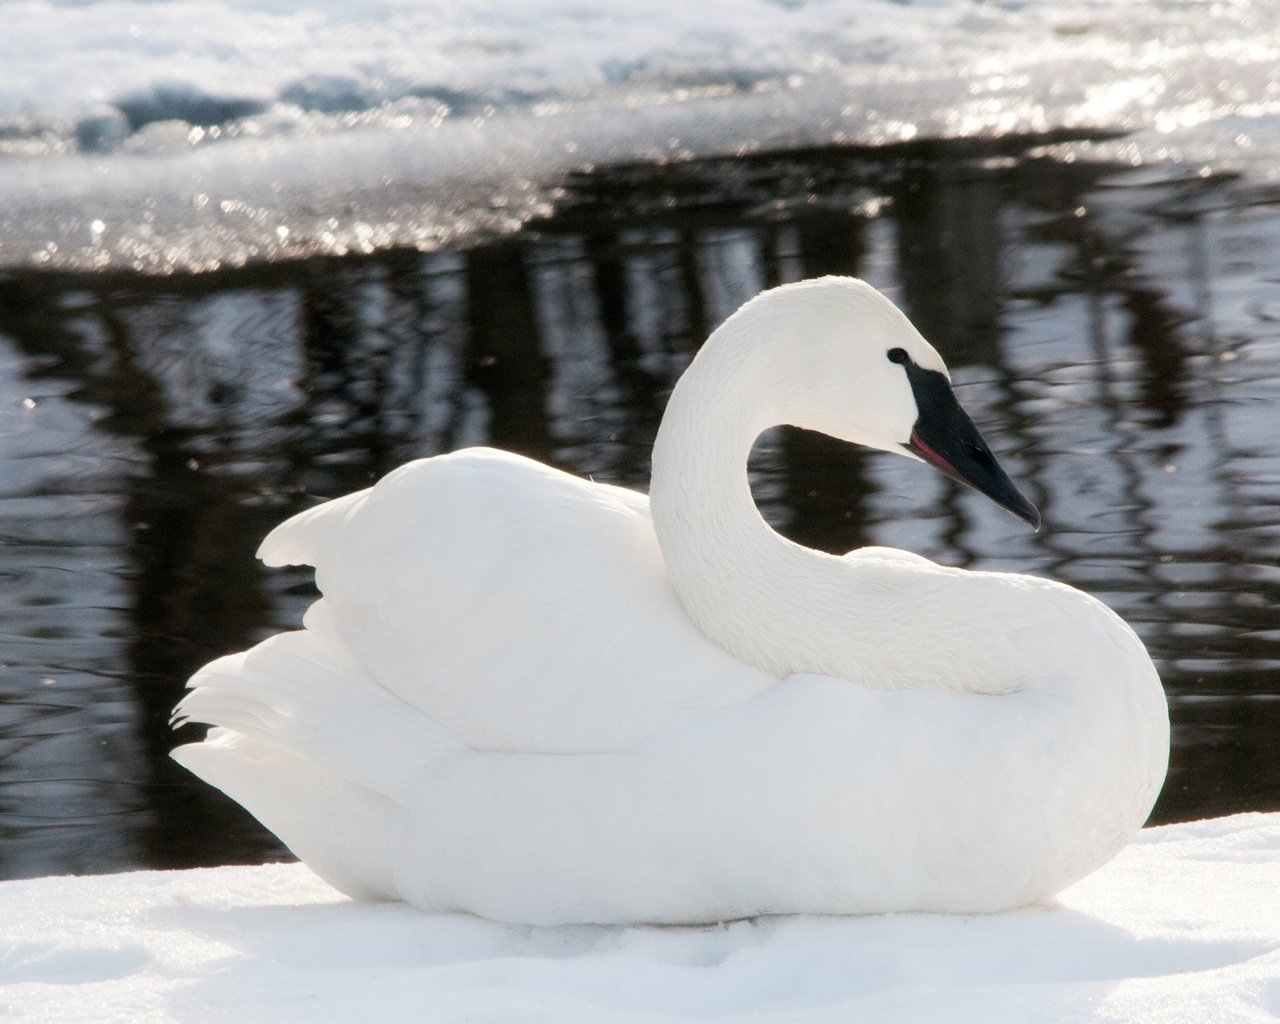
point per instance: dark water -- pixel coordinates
(1116, 336)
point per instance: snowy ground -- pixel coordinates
(1183, 926)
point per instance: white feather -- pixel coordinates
(525, 697)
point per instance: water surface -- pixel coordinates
(1115, 334)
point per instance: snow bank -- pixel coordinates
(1183, 926)
(110, 69)
(200, 132)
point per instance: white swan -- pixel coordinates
(545, 700)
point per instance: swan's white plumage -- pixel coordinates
(502, 705)
(548, 589)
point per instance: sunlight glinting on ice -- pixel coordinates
(285, 109)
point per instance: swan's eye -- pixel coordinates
(897, 355)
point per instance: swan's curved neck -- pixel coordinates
(747, 588)
(884, 619)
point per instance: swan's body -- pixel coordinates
(525, 697)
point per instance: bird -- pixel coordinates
(543, 700)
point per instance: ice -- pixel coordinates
(1184, 926)
(202, 132)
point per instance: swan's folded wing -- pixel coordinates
(520, 607)
(300, 539)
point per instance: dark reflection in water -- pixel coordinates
(1119, 341)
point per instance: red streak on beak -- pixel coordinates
(933, 456)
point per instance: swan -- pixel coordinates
(544, 700)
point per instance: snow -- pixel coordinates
(235, 128)
(1184, 925)
(1021, 64)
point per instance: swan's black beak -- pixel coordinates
(945, 437)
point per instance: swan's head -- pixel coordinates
(854, 367)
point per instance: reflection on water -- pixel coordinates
(1118, 342)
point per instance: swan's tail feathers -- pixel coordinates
(305, 695)
(337, 827)
(297, 540)
(315, 749)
